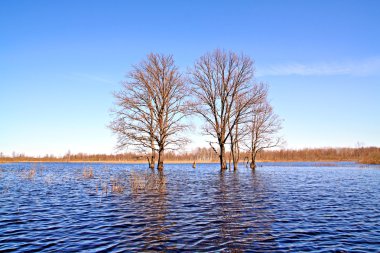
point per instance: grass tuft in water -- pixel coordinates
(29, 174)
(117, 186)
(146, 181)
(88, 172)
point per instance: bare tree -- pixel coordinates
(151, 106)
(263, 127)
(134, 121)
(222, 86)
(239, 131)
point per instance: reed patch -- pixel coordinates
(88, 173)
(147, 181)
(29, 174)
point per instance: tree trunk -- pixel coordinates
(152, 159)
(252, 165)
(153, 154)
(235, 146)
(160, 163)
(233, 154)
(222, 157)
(235, 164)
(149, 162)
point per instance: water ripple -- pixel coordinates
(277, 208)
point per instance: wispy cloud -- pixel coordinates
(356, 68)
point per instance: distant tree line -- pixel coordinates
(153, 108)
(369, 155)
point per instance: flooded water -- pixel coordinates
(283, 207)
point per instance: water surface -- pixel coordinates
(279, 207)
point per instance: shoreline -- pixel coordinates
(175, 162)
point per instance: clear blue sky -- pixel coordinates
(60, 61)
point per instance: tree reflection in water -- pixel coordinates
(245, 217)
(152, 205)
(229, 211)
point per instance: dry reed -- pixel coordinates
(104, 188)
(371, 158)
(88, 172)
(29, 174)
(148, 180)
(117, 186)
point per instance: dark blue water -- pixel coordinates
(287, 207)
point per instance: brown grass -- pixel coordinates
(104, 187)
(117, 186)
(372, 158)
(88, 172)
(29, 174)
(146, 181)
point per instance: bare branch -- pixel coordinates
(223, 90)
(151, 107)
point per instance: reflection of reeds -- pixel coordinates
(88, 172)
(146, 181)
(325, 165)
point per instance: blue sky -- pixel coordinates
(60, 61)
